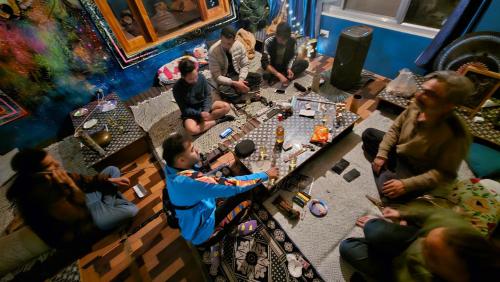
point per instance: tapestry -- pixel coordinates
(261, 256)
(9, 110)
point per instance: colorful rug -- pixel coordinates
(9, 109)
(261, 256)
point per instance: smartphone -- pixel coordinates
(351, 175)
(140, 191)
(280, 91)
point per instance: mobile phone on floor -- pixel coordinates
(351, 175)
(140, 191)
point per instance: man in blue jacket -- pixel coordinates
(193, 96)
(194, 195)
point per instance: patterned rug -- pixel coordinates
(261, 256)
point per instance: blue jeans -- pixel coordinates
(373, 255)
(109, 211)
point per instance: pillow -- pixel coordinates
(480, 202)
(484, 161)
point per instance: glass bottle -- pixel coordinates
(280, 131)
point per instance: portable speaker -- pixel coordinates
(350, 56)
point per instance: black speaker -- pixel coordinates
(350, 56)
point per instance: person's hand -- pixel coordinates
(62, 177)
(364, 219)
(205, 115)
(391, 213)
(120, 181)
(283, 79)
(273, 172)
(241, 86)
(393, 188)
(290, 74)
(378, 164)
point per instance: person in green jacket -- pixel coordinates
(426, 244)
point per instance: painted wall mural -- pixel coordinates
(52, 61)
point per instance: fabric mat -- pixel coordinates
(260, 256)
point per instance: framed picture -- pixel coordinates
(486, 84)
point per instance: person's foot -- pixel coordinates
(225, 118)
(364, 219)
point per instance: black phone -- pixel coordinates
(280, 91)
(351, 175)
(340, 166)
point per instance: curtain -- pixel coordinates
(458, 23)
(302, 16)
(274, 9)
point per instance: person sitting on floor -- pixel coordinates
(423, 149)
(279, 59)
(229, 65)
(426, 244)
(193, 96)
(193, 195)
(67, 209)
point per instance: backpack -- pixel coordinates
(169, 210)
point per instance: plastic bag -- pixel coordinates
(404, 85)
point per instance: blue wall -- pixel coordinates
(489, 20)
(389, 51)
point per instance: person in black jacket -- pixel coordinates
(279, 59)
(193, 96)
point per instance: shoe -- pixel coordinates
(225, 118)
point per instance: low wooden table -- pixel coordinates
(298, 131)
(122, 127)
(484, 131)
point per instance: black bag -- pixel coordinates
(169, 210)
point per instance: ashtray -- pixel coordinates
(318, 207)
(90, 123)
(107, 106)
(81, 112)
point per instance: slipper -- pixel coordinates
(247, 227)
(214, 258)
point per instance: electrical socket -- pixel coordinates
(324, 33)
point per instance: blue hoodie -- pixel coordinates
(198, 224)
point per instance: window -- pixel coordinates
(139, 24)
(427, 16)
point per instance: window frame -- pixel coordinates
(149, 38)
(394, 23)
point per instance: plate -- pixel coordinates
(81, 112)
(90, 123)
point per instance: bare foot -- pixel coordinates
(364, 219)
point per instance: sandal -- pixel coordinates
(247, 227)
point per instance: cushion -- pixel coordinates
(484, 161)
(480, 201)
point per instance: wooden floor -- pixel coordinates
(147, 249)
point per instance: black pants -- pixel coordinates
(298, 67)
(221, 214)
(373, 255)
(396, 167)
(229, 94)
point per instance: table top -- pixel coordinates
(120, 123)
(298, 131)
